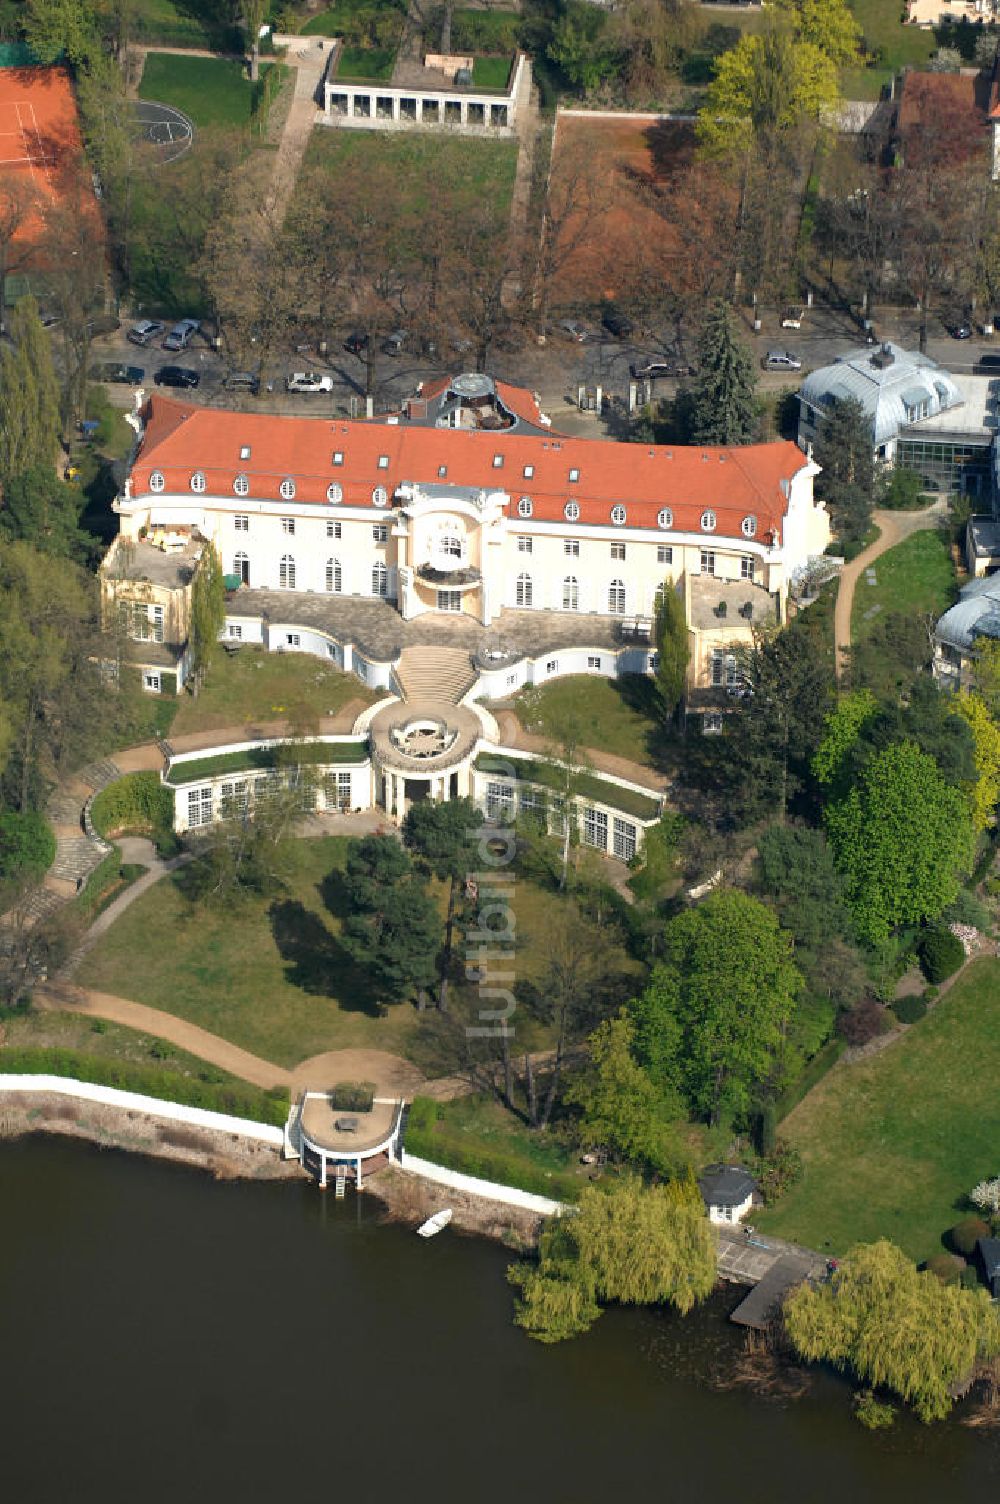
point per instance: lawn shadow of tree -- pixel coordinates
(640, 694)
(316, 961)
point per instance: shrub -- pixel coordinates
(27, 845)
(964, 1236)
(909, 1010)
(139, 801)
(947, 1267)
(941, 954)
(352, 1096)
(778, 1172)
(931, 994)
(767, 1130)
(903, 491)
(969, 1279)
(424, 1113)
(862, 1023)
(968, 908)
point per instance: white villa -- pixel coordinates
(450, 556)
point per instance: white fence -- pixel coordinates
(130, 1101)
(489, 1189)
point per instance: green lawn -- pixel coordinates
(421, 165)
(491, 72)
(477, 1135)
(272, 975)
(620, 716)
(915, 577)
(882, 27)
(891, 1146)
(184, 23)
(365, 62)
(211, 91)
(254, 685)
(333, 21)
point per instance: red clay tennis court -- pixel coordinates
(41, 152)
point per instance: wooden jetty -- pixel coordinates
(771, 1266)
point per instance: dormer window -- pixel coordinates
(198, 481)
(708, 522)
(524, 507)
(380, 497)
(498, 462)
(749, 526)
(529, 471)
(156, 481)
(334, 492)
(571, 511)
(241, 485)
(383, 462)
(619, 515)
(338, 456)
(664, 518)
(574, 474)
(245, 452)
(287, 488)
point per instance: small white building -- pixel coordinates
(896, 388)
(728, 1192)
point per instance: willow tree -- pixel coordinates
(29, 395)
(208, 610)
(895, 1327)
(632, 1244)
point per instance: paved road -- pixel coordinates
(893, 528)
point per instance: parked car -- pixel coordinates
(242, 381)
(308, 381)
(577, 332)
(656, 370)
(145, 332)
(112, 371)
(781, 360)
(792, 318)
(356, 343)
(616, 323)
(181, 335)
(176, 376)
(961, 330)
(393, 345)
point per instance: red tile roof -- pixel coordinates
(734, 483)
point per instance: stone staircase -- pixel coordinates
(76, 858)
(429, 673)
(97, 775)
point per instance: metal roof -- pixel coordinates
(976, 613)
(885, 380)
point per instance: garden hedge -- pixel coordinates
(233, 1098)
(138, 802)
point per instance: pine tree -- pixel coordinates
(721, 409)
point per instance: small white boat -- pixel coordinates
(433, 1225)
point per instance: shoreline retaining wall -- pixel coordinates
(131, 1101)
(490, 1190)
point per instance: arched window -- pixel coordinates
(380, 579)
(616, 598)
(241, 485)
(334, 492)
(334, 576)
(708, 522)
(380, 496)
(156, 481)
(524, 590)
(287, 488)
(749, 526)
(198, 481)
(618, 515)
(571, 593)
(571, 511)
(664, 517)
(286, 572)
(241, 566)
(524, 508)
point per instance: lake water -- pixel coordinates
(164, 1337)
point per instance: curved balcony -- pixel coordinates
(463, 577)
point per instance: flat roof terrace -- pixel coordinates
(327, 1128)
